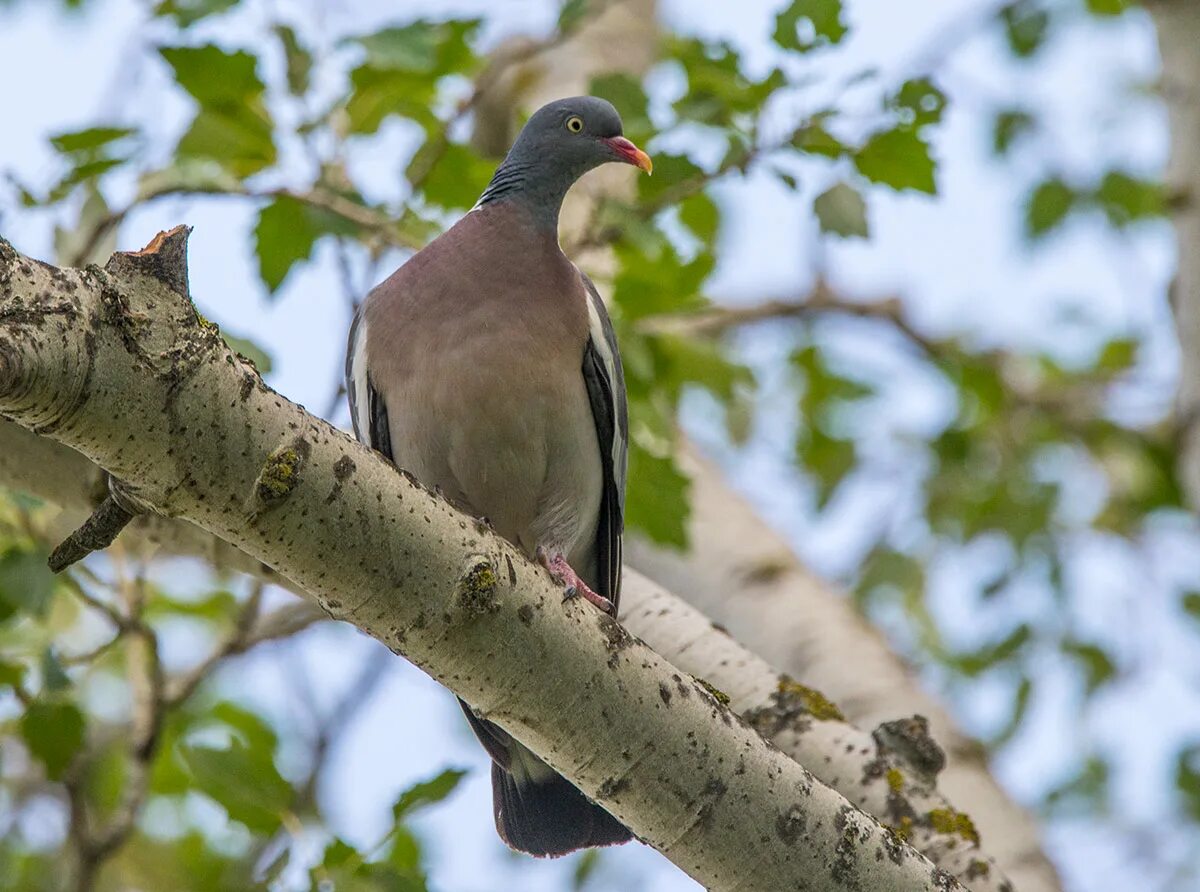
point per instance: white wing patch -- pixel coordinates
(600, 342)
(360, 404)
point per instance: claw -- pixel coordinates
(573, 587)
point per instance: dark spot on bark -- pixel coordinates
(611, 787)
(845, 865)
(684, 690)
(712, 793)
(512, 571)
(616, 638)
(790, 825)
(665, 693)
(945, 882)
(910, 740)
(525, 614)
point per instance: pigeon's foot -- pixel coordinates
(562, 573)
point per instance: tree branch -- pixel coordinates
(79, 350)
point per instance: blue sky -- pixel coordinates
(959, 261)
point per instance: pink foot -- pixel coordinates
(561, 572)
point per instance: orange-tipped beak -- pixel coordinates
(631, 154)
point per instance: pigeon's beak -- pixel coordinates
(630, 154)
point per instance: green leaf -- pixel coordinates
(54, 677)
(214, 77)
(1187, 779)
(1190, 603)
(977, 662)
(427, 793)
(1097, 665)
(243, 781)
(1085, 792)
(11, 673)
(421, 47)
(700, 214)
(1108, 7)
(299, 60)
(233, 127)
(898, 158)
(585, 868)
(53, 731)
(378, 93)
(919, 102)
(571, 13)
(240, 140)
(89, 140)
(658, 497)
(402, 68)
(1017, 717)
(828, 459)
(841, 210)
(1127, 199)
(886, 568)
(218, 605)
(719, 92)
(1025, 26)
(457, 178)
(188, 12)
(806, 24)
(250, 727)
(1008, 126)
(626, 94)
(658, 281)
(670, 172)
(26, 583)
(679, 361)
(285, 234)
(814, 139)
(1118, 355)
(1049, 204)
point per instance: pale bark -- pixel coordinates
(1178, 24)
(117, 364)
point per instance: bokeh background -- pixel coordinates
(958, 409)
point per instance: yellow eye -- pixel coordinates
(575, 124)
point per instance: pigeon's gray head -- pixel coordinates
(560, 143)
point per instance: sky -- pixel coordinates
(959, 261)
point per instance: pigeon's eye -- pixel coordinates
(575, 124)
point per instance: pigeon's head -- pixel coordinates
(574, 135)
(559, 144)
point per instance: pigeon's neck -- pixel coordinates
(530, 188)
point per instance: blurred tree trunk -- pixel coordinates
(738, 571)
(1178, 23)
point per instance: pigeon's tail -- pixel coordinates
(538, 811)
(548, 816)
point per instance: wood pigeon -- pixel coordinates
(487, 367)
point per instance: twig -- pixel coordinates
(96, 534)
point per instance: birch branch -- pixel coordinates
(867, 768)
(117, 364)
